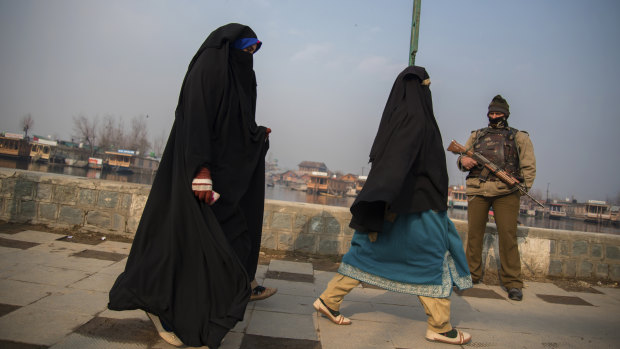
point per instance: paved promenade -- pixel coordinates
(54, 292)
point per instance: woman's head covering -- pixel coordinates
(243, 43)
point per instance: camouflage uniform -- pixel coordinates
(513, 150)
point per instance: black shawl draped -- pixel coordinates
(182, 266)
(409, 172)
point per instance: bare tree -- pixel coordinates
(85, 130)
(138, 136)
(159, 143)
(107, 138)
(27, 123)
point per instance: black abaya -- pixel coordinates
(408, 171)
(188, 260)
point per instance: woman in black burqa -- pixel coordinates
(187, 265)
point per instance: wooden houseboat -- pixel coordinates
(457, 198)
(597, 211)
(14, 146)
(317, 183)
(40, 152)
(557, 211)
(118, 161)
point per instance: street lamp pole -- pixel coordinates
(415, 31)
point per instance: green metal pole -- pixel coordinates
(415, 31)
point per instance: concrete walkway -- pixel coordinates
(53, 294)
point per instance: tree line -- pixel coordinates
(111, 133)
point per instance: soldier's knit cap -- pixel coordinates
(499, 104)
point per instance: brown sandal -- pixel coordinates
(260, 293)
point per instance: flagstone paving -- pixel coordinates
(54, 293)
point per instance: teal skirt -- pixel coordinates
(418, 253)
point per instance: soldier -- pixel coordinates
(512, 150)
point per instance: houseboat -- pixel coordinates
(14, 145)
(597, 212)
(41, 149)
(143, 164)
(118, 161)
(557, 211)
(317, 183)
(457, 198)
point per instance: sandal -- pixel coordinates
(460, 338)
(333, 315)
(260, 293)
(168, 336)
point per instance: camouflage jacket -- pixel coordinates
(527, 167)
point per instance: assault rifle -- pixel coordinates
(500, 173)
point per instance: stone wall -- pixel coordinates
(60, 201)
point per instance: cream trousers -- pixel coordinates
(437, 309)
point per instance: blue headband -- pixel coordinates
(240, 44)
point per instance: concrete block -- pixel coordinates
(285, 241)
(571, 268)
(596, 251)
(301, 224)
(602, 270)
(11, 207)
(71, 215)
(585, 269)
(83, 302)
(126, 201)
(87, 197)
(28, 209)
(276, 324)
(48, 211)
(31, 325)
(328, 246)
(8, 187)
(23, 188)
(99, 219)
(555, 267)
(552, 247)
(281, 220)
(118, 222)
(316, 225)
(612, 252)
(108, 199)
(22, 293)
(306, 243)
(291, 267)
(268, 240)
(580, 248)
(333, 226)
(65, 194)
(44, 191)
(614, 272)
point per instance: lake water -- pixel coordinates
(284, 193)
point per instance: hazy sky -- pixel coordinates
(325, 71)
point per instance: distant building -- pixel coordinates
(311, 166)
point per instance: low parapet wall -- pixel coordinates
(60, 201)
